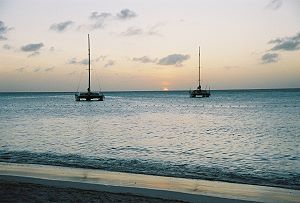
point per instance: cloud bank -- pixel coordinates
(60, 27)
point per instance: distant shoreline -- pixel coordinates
(144, 91)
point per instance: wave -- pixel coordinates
(152, 167)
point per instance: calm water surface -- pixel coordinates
(249, 136)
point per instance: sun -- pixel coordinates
(166, 89)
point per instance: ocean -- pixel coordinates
(242, 136)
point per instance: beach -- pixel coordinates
(20, 181)
(11, 191)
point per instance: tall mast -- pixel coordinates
(199, 69)
(89, 89)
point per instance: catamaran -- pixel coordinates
(199, 92)
(89, 95)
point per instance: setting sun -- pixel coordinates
(166, 89)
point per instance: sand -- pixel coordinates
(11, 191)
(86, 185)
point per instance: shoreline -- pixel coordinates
(167, 188)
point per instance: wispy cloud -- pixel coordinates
(37, 69)
(134, 31)
(32, 47)
(173, 59)
(74, 61)
(131, 31)
(274, 4)
(60, 27)
(286, 43)
(144, 59)
(101, 57)
(270, 58)
(36, 53)
(231, 67)
(20, 69)
(7, 47)
(109, 63)
(49, 69)
(43, 69)
(100, 19)
(4, 30)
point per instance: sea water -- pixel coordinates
(244, 136)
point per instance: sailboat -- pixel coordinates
(89, 95)
(199, 92)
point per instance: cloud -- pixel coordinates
(101, 57)
(7, 47)
(109, 63)
(60, 27)
(36, 53)
(231, 67)
(274, 4)
(270, 58)
(74, 61)
(4, 30)
(20, 69)
(125, 14)
(40, 69)
(286, 44)
(131, 31)
(36, 70)
(49, 69)
(100, 19)
(281, 44)
(32, 47)
(95, 16)
(144, 59)
(173, 59)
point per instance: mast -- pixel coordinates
(199, 87)
(89, 89)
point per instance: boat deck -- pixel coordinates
(199, 93)
(88, 96)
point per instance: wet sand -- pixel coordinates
(87, 185)
(11, 191)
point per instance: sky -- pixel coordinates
(149, 45)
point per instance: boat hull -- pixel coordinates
(89, 96)
(199, 93)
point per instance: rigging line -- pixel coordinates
(79, 80)
(99, 84)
